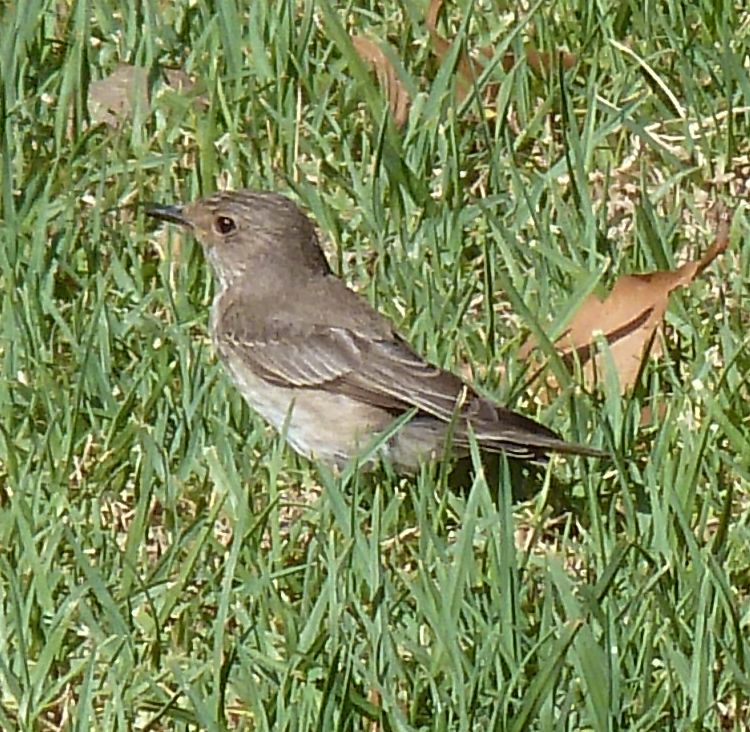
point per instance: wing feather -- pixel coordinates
(384, 371)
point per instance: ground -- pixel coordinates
(166, 563)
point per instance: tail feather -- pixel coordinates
(522, 437)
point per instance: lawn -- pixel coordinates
(166, 563)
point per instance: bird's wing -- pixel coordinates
(383, 370)
(379, 370)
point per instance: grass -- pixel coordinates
(167, 564)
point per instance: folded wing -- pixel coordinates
(385, 372)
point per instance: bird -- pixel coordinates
(319, 363)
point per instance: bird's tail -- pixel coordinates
(523, 438)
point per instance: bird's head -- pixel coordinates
(245, 233)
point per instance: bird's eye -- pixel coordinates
(224, 225)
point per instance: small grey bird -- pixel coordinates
(312, 357)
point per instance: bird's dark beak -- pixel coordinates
(167, 213)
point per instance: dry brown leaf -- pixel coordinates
(542, 62)
(628, 319)
(653, 414)
(375, 698)
(469, 70)
(113, 99)
(180, 82)
(398, 97)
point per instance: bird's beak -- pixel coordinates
(175, 214)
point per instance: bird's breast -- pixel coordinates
(317, 423)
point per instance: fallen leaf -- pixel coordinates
(628, 319)
(113, 99)
(179, 82)
(398, 97)
(653, 414)
(468, 70)
(542, 62)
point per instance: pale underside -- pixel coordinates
(333, 428)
